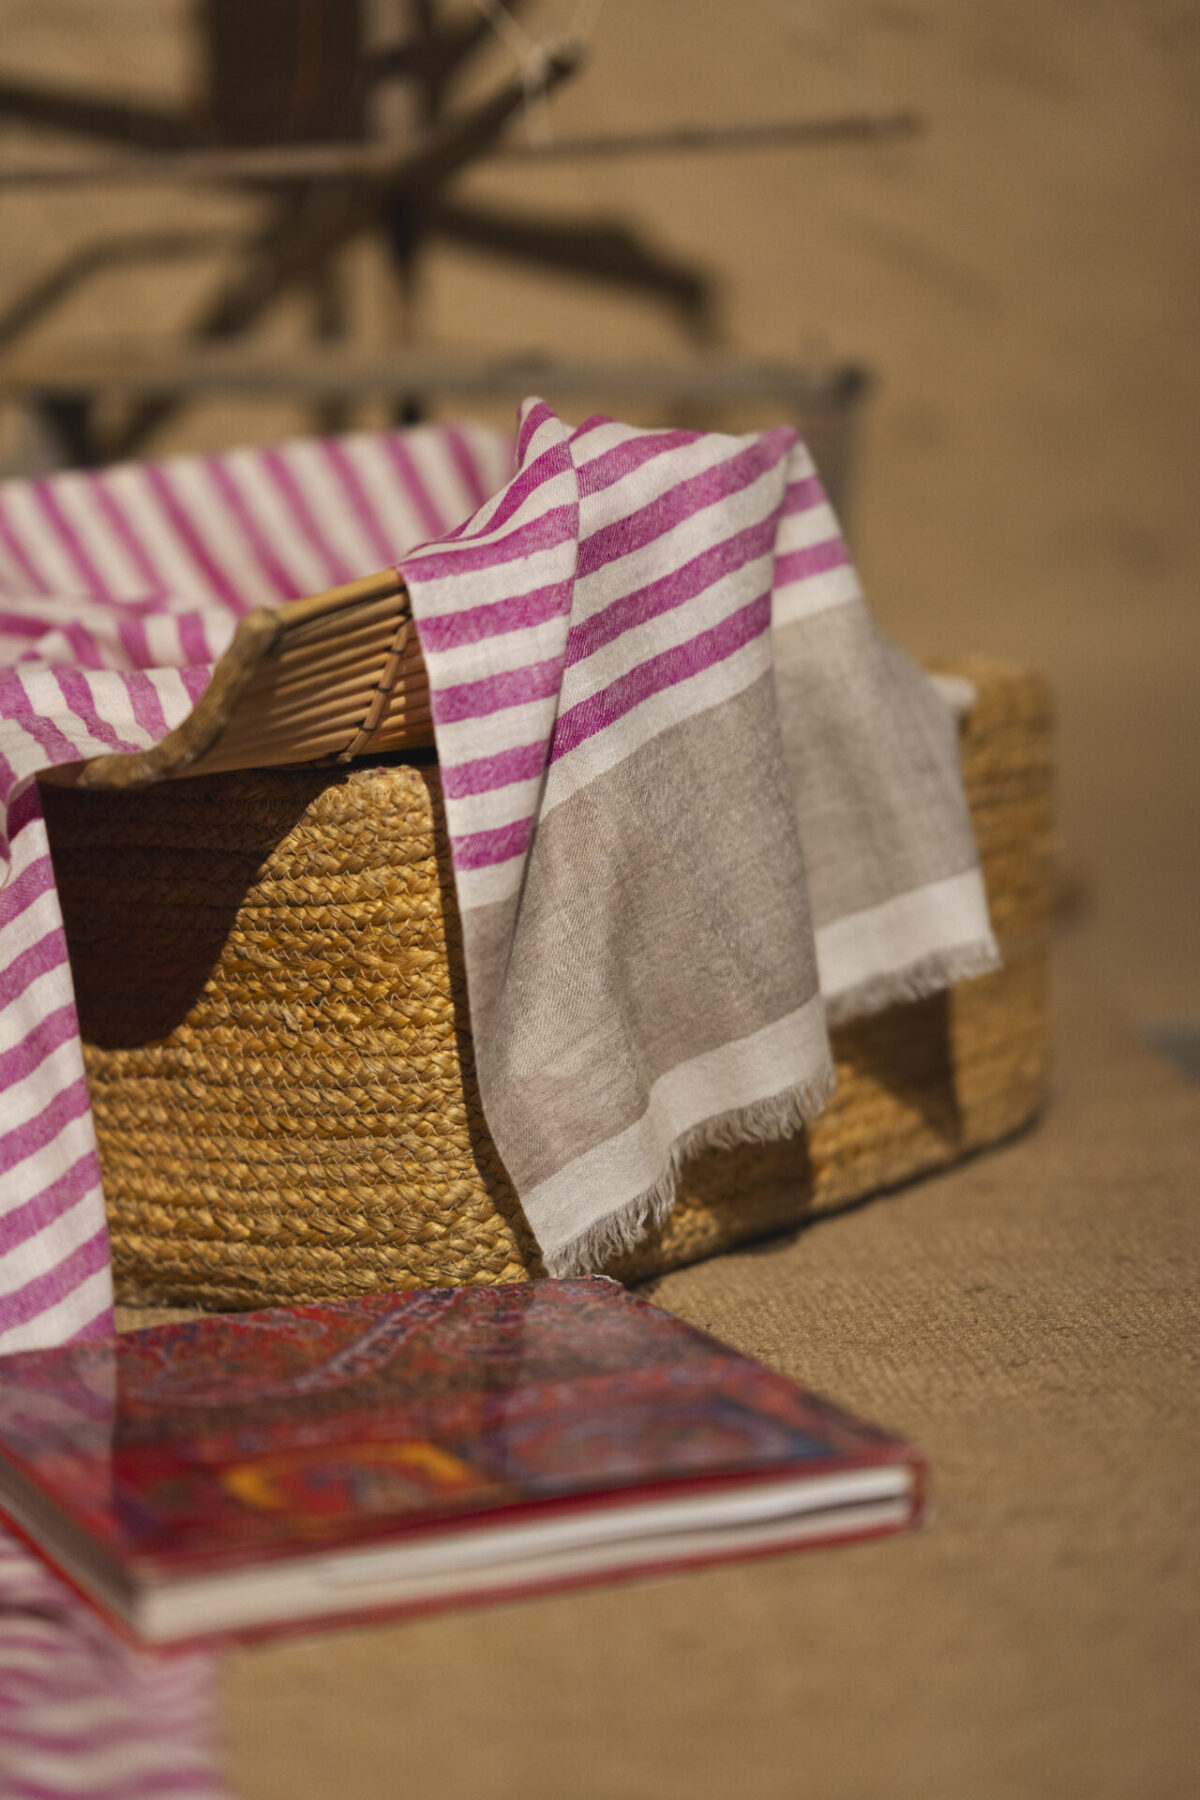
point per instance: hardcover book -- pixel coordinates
(256, 1471)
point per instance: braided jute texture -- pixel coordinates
(271, 991)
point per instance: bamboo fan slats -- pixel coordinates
(329, 678)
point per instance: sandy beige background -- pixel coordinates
(1025, 280)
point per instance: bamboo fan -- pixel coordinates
(323, 679)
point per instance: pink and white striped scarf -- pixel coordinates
(118, 591)
(699, 808)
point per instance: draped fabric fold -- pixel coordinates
(698, 805)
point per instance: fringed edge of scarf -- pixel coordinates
(761, 1122)
(932, 974)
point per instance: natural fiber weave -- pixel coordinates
(279, 1056)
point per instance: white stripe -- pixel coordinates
(667, 631)
(203, 503)
(800, 465)
(173, 696)
(446, 487)
(90, 1712)
(607, 1178)
(329, 508)
(499, 655)
(21, 1012)
(548, 496)
(31, 1177)
(85, 1769)
(64, 1319)
(499, 806)
(651, 481)
(74, 495)
(664, 556)
(39, 541)
(597, 755)
(399, 520)
(796, 600)
(49, 1248)
(801, 530)
(467, 740)
(309, 570)
(486, 887)
(25, 1099)
(39, 919)
(882, 940)
(47, 701)
(167, 555)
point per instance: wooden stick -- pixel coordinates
(373, 163)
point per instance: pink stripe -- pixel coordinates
(528, 481)
(482, 849)
(195, 680)
(193, 638)
(118, 524)
(50, 952)
(145, 704)
(25, 1221)
(20, 894)
(555, 526)
(360, 501)
(48, 1035)
(78, 695)
(23, 625)
(44, 1291)
(814, 559)
(658, 673)
(16, 704)
(659, 516)
(88, 654)
(802, 496)
(465, 466)
(222, 479)
(101, 1326)
(514, 687)
(16, 549)
(670, 591)
(290, 492)
(593, 422)
(487, 772)
(25, 809)
(46, 496)
(135, 641)
(624, 458)
(449, 631)
(35, 1134)
(537, 416)
(413, 483)
(189, 536)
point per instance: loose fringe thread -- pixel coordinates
(921, 979)
(762, 1122)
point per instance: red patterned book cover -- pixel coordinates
(258, 1470)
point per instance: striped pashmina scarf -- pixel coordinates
(699, 809)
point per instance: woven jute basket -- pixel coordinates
(271, 992)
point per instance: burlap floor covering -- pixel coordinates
(1030, 1317)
